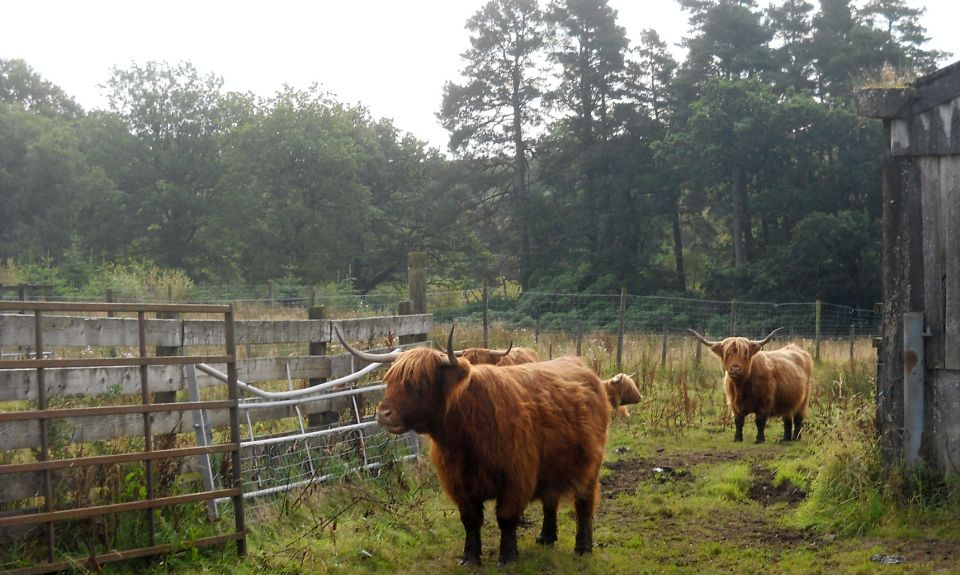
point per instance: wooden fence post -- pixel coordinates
(817, 311)
(853, 336)
(167, 470)
(623, 312)
(663, 351)
(733, 317)
(417, 281)
(486, 314)
(110, 299)
(406, 308)
(696, 345)
(319, 348)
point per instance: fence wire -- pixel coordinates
(584, 313)
(570, 312)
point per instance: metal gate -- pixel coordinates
(53, 509)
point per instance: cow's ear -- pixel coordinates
(455, 376)
(717, 349)
(755, 347)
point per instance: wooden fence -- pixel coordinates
(75, 336)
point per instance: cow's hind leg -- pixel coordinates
(797, 425)
(787, 429)
(508, 539)
(509, 512)
(761, 424)
(584, 504)
(471, 515)
(738, 421)
(548, 533)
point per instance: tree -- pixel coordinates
(179, 115)
(495, 114)
(902, 24)
(790, 22)
(21, 85)
(731, 40)
(590, 49)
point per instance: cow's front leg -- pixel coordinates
(471, 515)
(761, 424)
(797, 425)
(738, 421)
(787, 429)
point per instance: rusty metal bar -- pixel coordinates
(113, 556)
(44, 444)
(147, 425)
(53, 464)
(230, 347)
(49, 515)
(96, 511)
(113, 410)
(116, 307)
(112, 362)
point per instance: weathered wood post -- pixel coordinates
(853, 337)
(909, 181)
(733, 317)
(167, 469)
(406, 308)
(417, 288)
(622, 314)
(417, 281)
(319, 348)
(486, 314)
(817, 318)
(663, 349)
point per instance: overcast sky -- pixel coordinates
(393, 56)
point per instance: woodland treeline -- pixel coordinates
(580, 159)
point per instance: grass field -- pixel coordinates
(678, 496)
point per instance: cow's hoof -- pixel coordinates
(542, 540)
(470, 561)
(759, 440)
(583, 550)
(507, 559)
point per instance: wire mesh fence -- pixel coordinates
(576, 313)
(583, 313)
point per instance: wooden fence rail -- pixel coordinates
(20, 385)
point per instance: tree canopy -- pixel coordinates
(579, 158)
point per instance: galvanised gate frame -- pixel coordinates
(48, 516)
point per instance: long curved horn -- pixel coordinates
(502, 353)
(702, 339)
(766, 339)
(451, 355)
(371, 357)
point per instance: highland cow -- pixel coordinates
(766, 383)
(511, 434)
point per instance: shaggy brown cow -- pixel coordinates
(512, 356)
(767, 383)
(513, 434)
(622, 391)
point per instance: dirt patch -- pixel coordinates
(628, 473)
(765, 493)
(930, 551)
